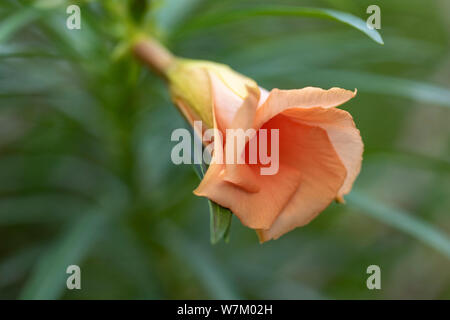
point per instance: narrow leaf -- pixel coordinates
(48, 279)
(173, 12)
(14, 22)
(401, 220)
(220, 217)
(201, 261)
(236, 15)
(220, 222)
(14, 267)
(417, 90)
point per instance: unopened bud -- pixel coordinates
(191, 87)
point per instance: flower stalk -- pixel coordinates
(155, 55)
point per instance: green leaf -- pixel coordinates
(320, 49)
(15, 267)
(40, 208)
(125, 251)
(220, 222)
(410, 159)
(138, 9)
(237, 15)
(173, 12)
(14, 22)
(220, 217)
(418, 90)
(201, 261)
(48, 279)
(401, 220)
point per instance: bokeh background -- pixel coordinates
(86, 176)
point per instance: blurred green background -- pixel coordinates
(86, 176)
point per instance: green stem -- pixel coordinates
(154, 54)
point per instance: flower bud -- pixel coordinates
(190, 87)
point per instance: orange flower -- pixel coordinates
(319, 147)
(320, 154)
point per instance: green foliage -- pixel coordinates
(15, 22)
(402, 221)
(48, 279)
(236, 15)
(220, 217)
(86, 176)
(220, 222)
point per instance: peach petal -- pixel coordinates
(320, 156)
(255, 210)
(315, 106)
(322, 175)
(343, 134)
(303, 149)
(264, 94)
(241, 174)
(226, 102)
(280, 100)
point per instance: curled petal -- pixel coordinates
(321, 175)
(255, 199)
(225, 102)
(343, 134)
(307, 163)
(315, 106)
(280, 100)
(320, 153)
(229, 92)
(241, 174)
(256, 210)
